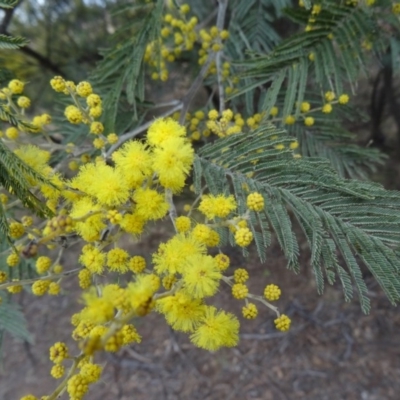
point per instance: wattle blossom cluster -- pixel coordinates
(120, 195)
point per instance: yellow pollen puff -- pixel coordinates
(43, 264)
(309, 121)
(54, 288)
(39, 288)
(16, 86)
(98, 143)
(240, 291)
(344, 99)
(240, 275)
(290, 120)
(23, 102)
(84, 89)
(183, 224)
(12, 133)
(250, 311)
(327, 108)
(57, 371)
(96, 128)
(137, 264)
(272, 292)
(227, 114)
(280, 147)
(16, 230)
(282, 323)
(305, 107)
(255, 201)
(58, 84)
(58, 352)
(329, 96)
(73, 114)
(224, 34)
(184, 8)
(112, 138)
(274, 111)
(12, 260)
(243, 237)
(294, 145)
(222, 261)
(213, 115)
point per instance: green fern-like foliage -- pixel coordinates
(328, 55)
(13, 321)
(358, 220)
(120, 75)
(11, 42)
(14, 177)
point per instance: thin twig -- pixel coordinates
(222, 6)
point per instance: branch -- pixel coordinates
(222, 6)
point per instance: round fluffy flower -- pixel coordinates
(344, 99)
(305, 106)
(39, 288)
(130, 334)
(93, 100)
(330, 96)
(73, 114)
(133, 161)
(240, 275)
(181, 311)
(12, 260)
(201, 276)
(12, 133)
(43, 264)
(223, 261)
(57, 371)
(217, 329)
(282, 323)
(289, 120)
(272, 292)
(255, 201)
(163, 129)
(171, 256)
(16, 86)
(243, 237)
(58, 84)
(16, 230)
(182, 224)
(93, 259)
(58, 352)
(172, 161)
(137, 264)
(96, 128)
(309, 121)
(91, 372)
(327, 108)
(217, 206)
(250, 311)
(29, 397)
(77, 387)
(84, 89)
(90, 222)
(239, 291)
(117, 260)
(132, 223)
(54, 288)
(150, 205)
(23, 102)
(103, 182)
